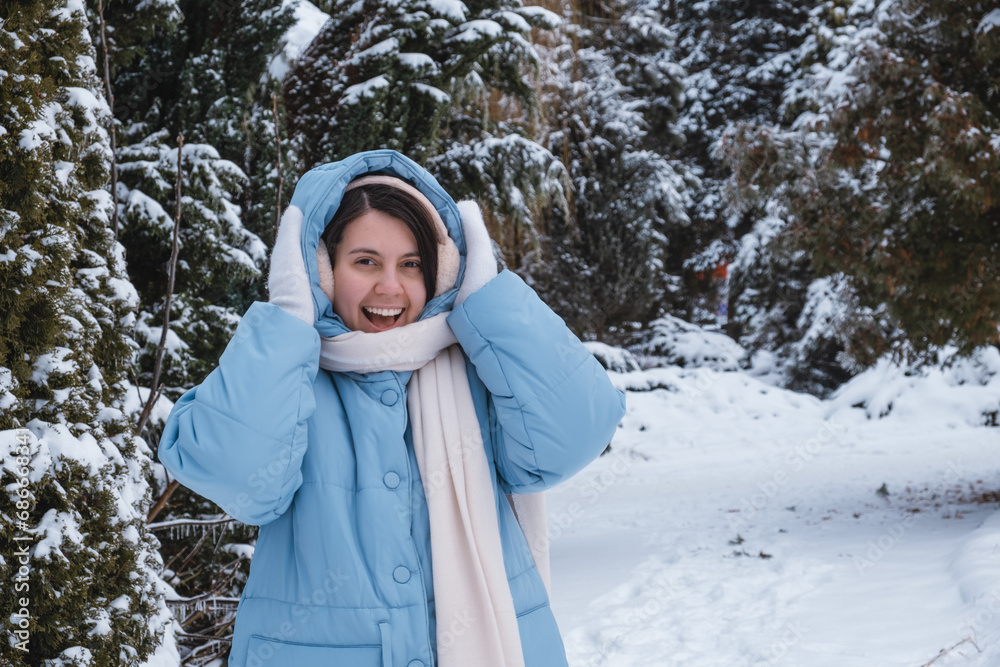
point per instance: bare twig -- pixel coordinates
(211, 596)
(111, 107)
(147, 410)
(946, 651)
(197, 547)
(162, 500)
(277, 136)
(218, 542)
(171, 277)
(190, 637)
(166, 566)
(186, 523)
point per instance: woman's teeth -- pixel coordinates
(384, 312)
(382, 318)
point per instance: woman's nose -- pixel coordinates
(388, 283)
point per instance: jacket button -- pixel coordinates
(389, 397)
(391, 480)
(401, 574)
(414, 663)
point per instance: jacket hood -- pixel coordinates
(318, 195)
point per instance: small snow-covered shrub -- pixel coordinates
(964, 388)
(678, 343)
(614, 359)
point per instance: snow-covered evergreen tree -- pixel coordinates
(446, 83)
(608, 268)
(738, 57)
(886, 175)
(488, 147)
(201, 70)
(217, 254)
(382, 74)
(203, 74)
(226, 98)
(792, 322)
(79, 570)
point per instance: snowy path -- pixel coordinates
(738, 524)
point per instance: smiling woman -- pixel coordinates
(381, 419)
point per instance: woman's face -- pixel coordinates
(377, 280)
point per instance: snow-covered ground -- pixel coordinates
(735, 523)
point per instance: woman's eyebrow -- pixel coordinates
(370, 251)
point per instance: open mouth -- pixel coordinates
(382, 318)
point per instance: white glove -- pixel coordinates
(288, 282)
(480, 262)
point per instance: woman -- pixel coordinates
(380, 411)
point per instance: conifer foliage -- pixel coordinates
(79, 569)
(737, 58)
(382, 74)
(219, 255)
(790, 320)
(202, 74)
(887, 181)
(448, 84)
(609, 92)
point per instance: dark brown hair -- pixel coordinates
(396, 203)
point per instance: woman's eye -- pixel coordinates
(413, 264)
(367, 261)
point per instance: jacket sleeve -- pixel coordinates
(239, 437)
(555, 404)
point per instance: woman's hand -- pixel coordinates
(480, 263)
(288, 282)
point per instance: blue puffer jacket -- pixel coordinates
(323, 462)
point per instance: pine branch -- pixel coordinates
(214, 597)
(204, 654)
(111, 107)
(195, 659)
(166, 566)
(218, 543)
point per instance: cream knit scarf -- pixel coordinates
(476, 622)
